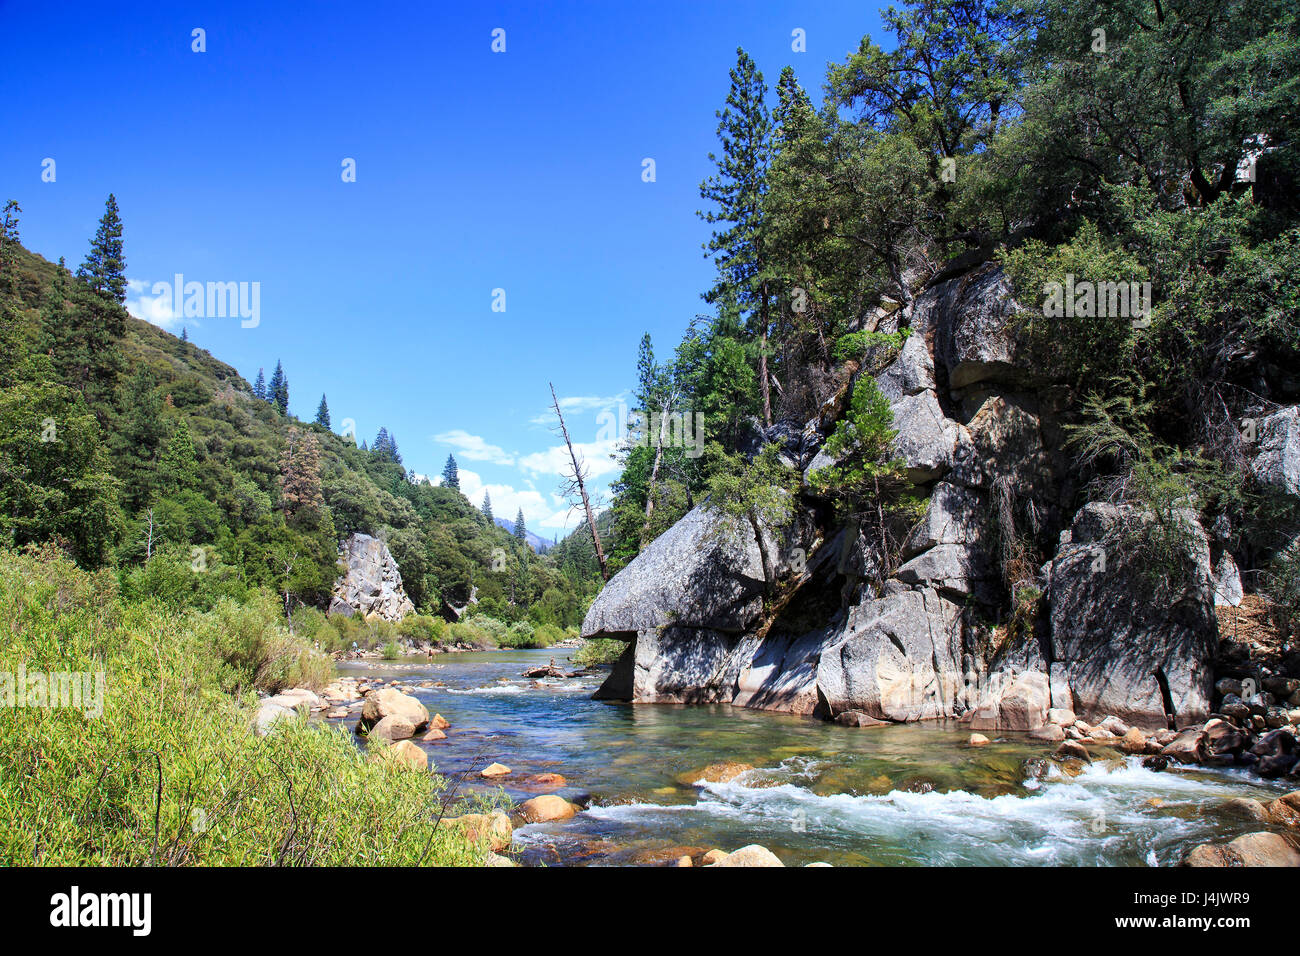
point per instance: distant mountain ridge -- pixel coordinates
(534, 541)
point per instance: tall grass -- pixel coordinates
(170, 772)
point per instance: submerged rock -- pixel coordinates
(752, 855)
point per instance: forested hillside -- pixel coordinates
(132, 448)
(1124, 146)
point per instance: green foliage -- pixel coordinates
(169, 773)
(599, 651)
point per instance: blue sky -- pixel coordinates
(475, 171)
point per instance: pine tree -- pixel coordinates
(259, 386)
(487, 508)
(185, 334)
(323, 413)
(451, 477)
(8, 243)
(104, 270)
(178, 470)
(380, 447)
(277, 392)
(521, 532)
(739, 251)
(301, 497)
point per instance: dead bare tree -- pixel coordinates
(577, 483)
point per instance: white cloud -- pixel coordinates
(543, 514)
(594, 455)
(152, 308)
(474, 448)
(580, 404)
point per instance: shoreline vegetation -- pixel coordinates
(172, 773)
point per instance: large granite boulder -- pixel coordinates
(371, 584)
(1277, 462)
(703, 572)
(1129, 644)
(898, 658)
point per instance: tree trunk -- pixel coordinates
(581, 486)
(762, 354)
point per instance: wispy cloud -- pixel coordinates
(554, 461)
(579, 405)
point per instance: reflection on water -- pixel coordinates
(896, 795)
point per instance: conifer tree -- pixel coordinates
(259, 386)
(740, 249)
(277, 392)
(487, 508)
(521, 532)
(451, 476)
(323, 413)
(301, 497)
(104, 270)
(178, 470)
(8, 243)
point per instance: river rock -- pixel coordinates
(1060, 716)
(1071, 749)
(752, 855)
(409, 755)
(1049, 733)
(439, 722)
(495, 770)
(545, 780)
(433, 734)
(1277, 754)
(1187, 747)
(371, 584)
(713, 856)
(1133, 742)
(721, 772)
(268, 714)
(1252, 849)
(493, 828)
(1129, 643)
(391, 728)
(391, 702)
(547, 809)
(978, 740)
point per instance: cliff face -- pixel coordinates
(985, 448)
(371, 584)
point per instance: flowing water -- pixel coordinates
(899, 795)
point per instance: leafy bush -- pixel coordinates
(169, 773)
(599, 651)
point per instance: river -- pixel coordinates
(899, 795)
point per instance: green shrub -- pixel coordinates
(169, 773)
(599, 651)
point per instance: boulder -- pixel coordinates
(391, 728)
(713, 856)
(1013, 702)
(546, 809)
(1276, 752)
(752, 855)
(267, 714)
(371, 584)
(703, 572)
(1227, 582)
(1252, 849)
(408, 755)
(1061, 716)
(978, 740)
(1187, 747)
(897, 658)
(433, 734)
(493, 770)
(493, 828)
(723, 771)
(1130, 643)
(1049, 733)
(391, 702)
(439, 722)
(1277, 462)
(1133, 742)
